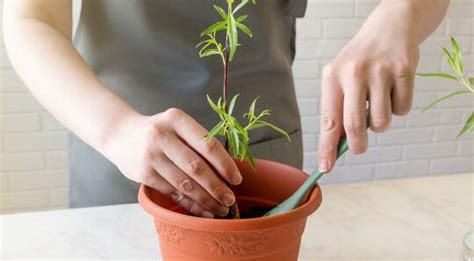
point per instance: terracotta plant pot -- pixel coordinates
(185, 237)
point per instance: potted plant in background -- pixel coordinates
(265, 183)
(455, 61)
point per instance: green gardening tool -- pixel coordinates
(296, 199)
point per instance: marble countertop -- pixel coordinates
(417, 218)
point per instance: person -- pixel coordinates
(132, 88)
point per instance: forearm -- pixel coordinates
(423, 16)
(62, 82)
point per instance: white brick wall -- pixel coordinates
(33, 170)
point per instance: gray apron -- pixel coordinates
(144, 51)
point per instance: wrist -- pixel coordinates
(418, 17)
(393, 22)
(122, 125)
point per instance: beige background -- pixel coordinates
(33, 171)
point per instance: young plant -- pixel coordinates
(236, 134)
(455, 61)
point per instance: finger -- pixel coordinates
(187, 186)
(331, 120)
(402, 95)
(190, 205)
(155, 181)
(380, 104)
(196, 168)
(355, 96)
(193, 134)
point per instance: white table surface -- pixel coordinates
(418, 218)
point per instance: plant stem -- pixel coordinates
(225, 80)
(225, 84)
(234, 212)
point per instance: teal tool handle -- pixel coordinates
(296, 199)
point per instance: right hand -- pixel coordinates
(168, 152)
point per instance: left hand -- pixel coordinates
(368, 68)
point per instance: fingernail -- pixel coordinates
(237, 179)
(223, 211)
(228, 199)
(323, 165)
(207, 214)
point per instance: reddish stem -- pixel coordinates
(234, 212)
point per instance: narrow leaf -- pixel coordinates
(433, 103)
(201, 43)
(245, 29)
(455, 45)
(457, 56)
(221, 12)
(241, 18)
(256, 125)
(232, 104)
(281, 131)
(439, 75)
(215, 131)
(240, 5)
(209, 52)
(249, 158)
(252, 106)
(215, 27)
(471, 81)
(448, 54)
(236, 140)
(450, 59)
(233, 37)
(468, 126)
(213, 105)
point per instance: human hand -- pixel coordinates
(168, 152)
(368, 68)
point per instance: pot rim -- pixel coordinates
(206, 224)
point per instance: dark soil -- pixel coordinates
(254, 212)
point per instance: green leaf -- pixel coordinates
(468, 126)
(233, 36)
(244, 148)
(241, 18)
(201, 43)
(439, 75)
(221, 12)
(249, 158)
(455, 45)
(457, 56)
(215, 27)
(264, 113)
(209, 52)
(447, 53)
(256, 125)
(236, 144)
(240, 5)
(433, 103)
(213, 105)
(252, 107)
(407, 74)
(216, 130)
(450, 59)
(232, 104)
(245, 29)
(231, 142)
(239, 127)
(471, 81)
(281, 131)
